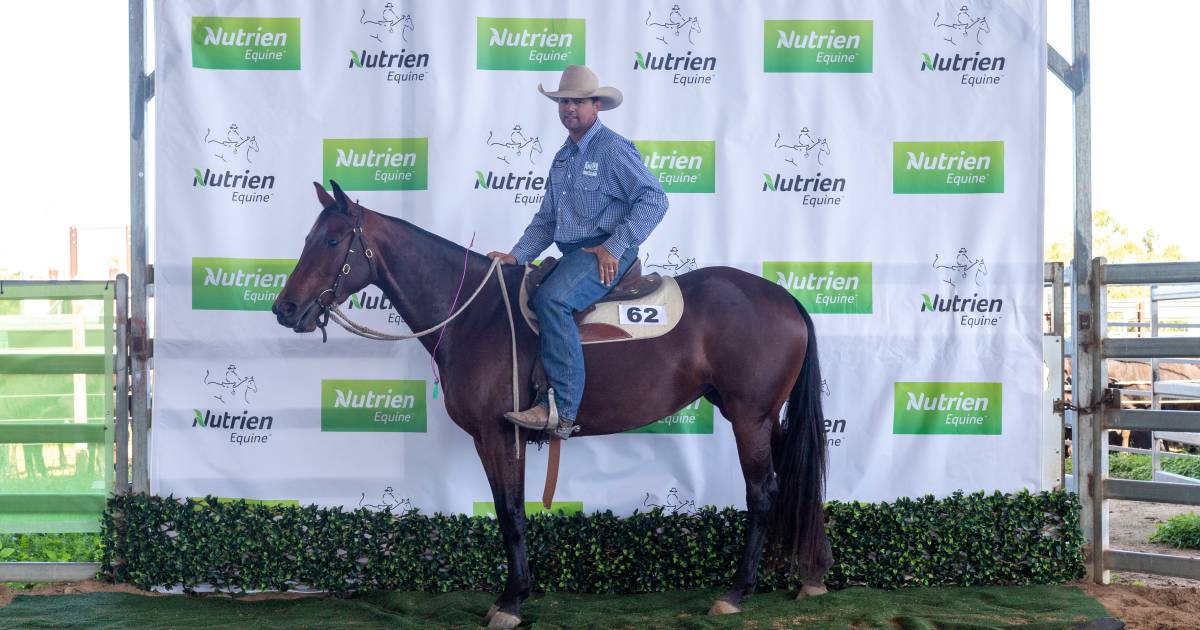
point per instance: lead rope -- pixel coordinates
(369, 333)
(516, 395)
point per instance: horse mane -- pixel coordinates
(439, 240)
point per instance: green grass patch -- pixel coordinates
(1182, 531)
(50, 548)
(1136, 466)
(945, 607)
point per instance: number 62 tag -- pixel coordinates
(643, 314)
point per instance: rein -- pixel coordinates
(331, 309)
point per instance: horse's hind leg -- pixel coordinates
(753, 437)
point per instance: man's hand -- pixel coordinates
(507, 259)
(606, 263)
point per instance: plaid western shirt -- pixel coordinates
(597, 186)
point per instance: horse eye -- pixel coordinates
(333, 242)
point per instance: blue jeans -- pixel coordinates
(573, 286)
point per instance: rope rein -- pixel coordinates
(334, 312)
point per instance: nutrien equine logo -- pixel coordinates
(238, 284)
(377, 163)
(372, 299)
(681, 166)
(244, 426)
(962, 292)
(237, 152)
(389, 55)
(947, 168)
(818, 46)
(373, 406)
(541, 44)
(947, 408)
(696, 418)
(801, 158)
(956, 33)
(245, 43)
(520, 151)
(674, 36)
(825, 287)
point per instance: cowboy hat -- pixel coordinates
(580, 82)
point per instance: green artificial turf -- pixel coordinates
(943, 607)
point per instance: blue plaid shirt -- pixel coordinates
(597, 186)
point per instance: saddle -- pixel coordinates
(602, 322)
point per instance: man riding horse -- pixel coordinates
(601, 204)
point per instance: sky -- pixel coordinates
(67, 157)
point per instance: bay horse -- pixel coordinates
(744, 343)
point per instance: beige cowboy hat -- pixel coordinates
(580, 82)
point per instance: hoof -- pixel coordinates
(502, 619)
(811, 591)
(722, 607)
(491, 612)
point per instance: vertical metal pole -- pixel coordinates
(1084, 359)
(1155, 397)
(121, 388)
(1057, 325)
(139, 335)
(1093, 426)
(74, 245)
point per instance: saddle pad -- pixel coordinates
(646, 317)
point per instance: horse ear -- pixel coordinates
(342, 201)
(323, 196)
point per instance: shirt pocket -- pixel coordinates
(589, 183)
(558, 179)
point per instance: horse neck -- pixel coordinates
(420, 273)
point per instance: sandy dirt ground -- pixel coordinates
(1147, 601)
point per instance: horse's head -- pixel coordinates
(253, 141)
(335, 263)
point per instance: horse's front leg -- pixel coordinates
(506, 475)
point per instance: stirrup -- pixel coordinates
(561, 427)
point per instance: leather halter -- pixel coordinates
(356, 237)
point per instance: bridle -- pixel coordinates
(330, 307)
(356, 238)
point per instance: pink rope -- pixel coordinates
(437, 379)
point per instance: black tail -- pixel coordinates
(797, 526)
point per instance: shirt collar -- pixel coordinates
(587, 137)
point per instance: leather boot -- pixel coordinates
(536, 417)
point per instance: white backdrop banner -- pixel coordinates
(882, 160)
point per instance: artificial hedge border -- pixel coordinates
(975, 539)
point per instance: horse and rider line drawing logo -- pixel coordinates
(387, 503)
(964, 280)
(961, 31)
(806, 147)
(964, 266)
(677, 32)
(230, 384)
(674, 26)
(963, 27)
(388, 22)
(233, 145)
(518, 144)
(674, 265)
